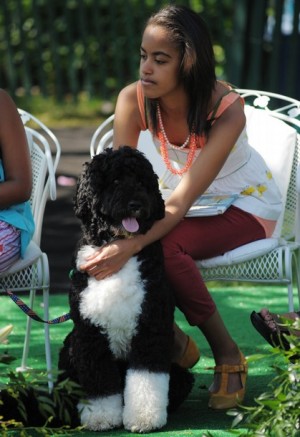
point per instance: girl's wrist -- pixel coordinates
(138, 244)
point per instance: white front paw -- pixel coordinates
(146, 401)
(102, 413)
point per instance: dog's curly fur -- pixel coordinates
(120, 348)
(119, 351)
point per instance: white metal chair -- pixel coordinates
(273, 128)
(32, 273)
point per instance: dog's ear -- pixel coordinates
(152, 180)
(90, 183)
(160, 206)
(83, 196)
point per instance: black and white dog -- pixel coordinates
(120, 348)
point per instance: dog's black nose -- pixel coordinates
(134, 205)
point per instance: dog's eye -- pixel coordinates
(116, 181)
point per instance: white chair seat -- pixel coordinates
(32, 254)
(242, 253)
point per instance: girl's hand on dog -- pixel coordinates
(109, 259)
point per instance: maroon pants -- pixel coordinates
(201, 238)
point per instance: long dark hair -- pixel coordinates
(189, 32)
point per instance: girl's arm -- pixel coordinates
(14, 154)
(206, 167)
(202, 173)
(127, 122)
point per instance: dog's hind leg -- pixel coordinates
(145, 400)
(102, 413)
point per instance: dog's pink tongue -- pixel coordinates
(130, 224)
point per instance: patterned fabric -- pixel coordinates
(10, 245)
(19, 216)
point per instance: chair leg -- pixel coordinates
(23, 366)
(297, 268)
(288, 263)
(291, 298)
(46, 288)
(292, 265)
(47, 339)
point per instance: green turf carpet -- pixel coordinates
(193, 418)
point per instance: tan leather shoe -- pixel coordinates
(222, 400)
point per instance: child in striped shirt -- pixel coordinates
(16, 221)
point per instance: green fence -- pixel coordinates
(64, 48)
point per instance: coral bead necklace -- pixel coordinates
(165, 143)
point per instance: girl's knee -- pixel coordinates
(170, 247)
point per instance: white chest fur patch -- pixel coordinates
(114, 304)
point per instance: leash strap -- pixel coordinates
(29, 312)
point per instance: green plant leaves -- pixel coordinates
(277, 411)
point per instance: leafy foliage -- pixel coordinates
(34, 386)
(277, 411)
(62, 49)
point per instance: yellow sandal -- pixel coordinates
(222, 400)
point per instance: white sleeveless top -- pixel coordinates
(244, 172)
